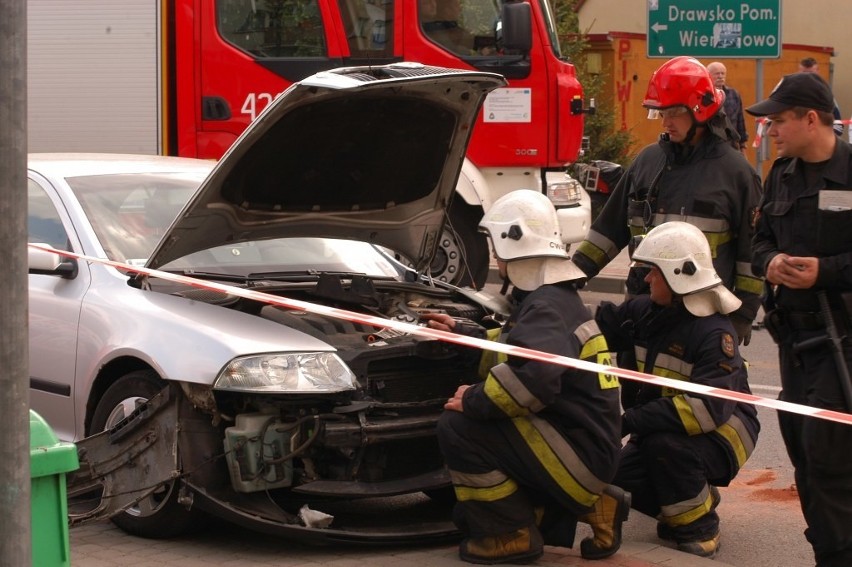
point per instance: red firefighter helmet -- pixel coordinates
(684, 81)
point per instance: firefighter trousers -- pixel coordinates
(669, 475)
(500, 478)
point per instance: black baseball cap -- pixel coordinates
(807, 90)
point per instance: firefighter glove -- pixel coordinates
(743, 328)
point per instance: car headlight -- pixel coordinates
(284, 373)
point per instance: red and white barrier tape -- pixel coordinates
(761, 129)
(483, 344)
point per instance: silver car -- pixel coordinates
(186, 401)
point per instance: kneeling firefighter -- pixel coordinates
(682, 446)
(532, 448)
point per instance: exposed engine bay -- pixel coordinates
(240, 452)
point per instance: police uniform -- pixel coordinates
(791, 221)
(681, 444)
(535, 433)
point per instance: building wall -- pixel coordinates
(618, 30)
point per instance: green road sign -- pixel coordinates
(721, 28)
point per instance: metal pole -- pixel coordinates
(15, 529)
(758, 91)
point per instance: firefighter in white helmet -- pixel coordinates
(682, 446)
(531, 449)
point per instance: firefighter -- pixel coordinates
(803, 245)
(532, 448)
(692, 174)
(689, 175)
(681, 446)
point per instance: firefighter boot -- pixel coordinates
(666, 532)
(519, 546)
(606, 518)
(705, 548)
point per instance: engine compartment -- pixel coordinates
(377, 440)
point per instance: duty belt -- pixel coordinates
(810, 320)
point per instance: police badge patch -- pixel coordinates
(728, 345)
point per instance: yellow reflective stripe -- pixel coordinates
(594, 253)
(641, 353)
(677, 366)
(501, 398)
(736, 434)
(596, 349)
(716, 240)
(688, 511)
(748, 284)
(490, 358)
(601, 242)
(684, 411)
(560, 460)
(701, 414)
(514, 387)
(666, 373)
(486, 494)
(478, 480)
(586, 331)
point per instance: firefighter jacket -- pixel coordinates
(673, 343)
(792, 221)
(580, 407)
(710, 185)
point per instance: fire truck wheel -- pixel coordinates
(462, 257)
(160, 515)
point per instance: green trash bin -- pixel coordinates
(49, 461)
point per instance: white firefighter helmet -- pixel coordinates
(525, 234)
(682, 254)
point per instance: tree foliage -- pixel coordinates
(605, 141)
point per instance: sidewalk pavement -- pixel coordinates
(101, 544)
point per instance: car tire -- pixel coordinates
(160, 515)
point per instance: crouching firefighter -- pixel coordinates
(532, 448)
(682, 446)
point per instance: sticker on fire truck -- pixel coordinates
(508, 105)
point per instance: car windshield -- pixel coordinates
(131, 212)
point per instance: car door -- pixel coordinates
(54, 313)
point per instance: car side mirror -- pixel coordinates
(50, 263)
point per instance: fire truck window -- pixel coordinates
(272, 28)
(464, 27)
(369, 27)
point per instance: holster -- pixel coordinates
(775, 323)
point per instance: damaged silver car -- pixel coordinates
(187, 401)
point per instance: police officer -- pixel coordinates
(532, 448)
(803, 245)
(681, 445)
(692, 174)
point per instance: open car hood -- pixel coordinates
(363, 153)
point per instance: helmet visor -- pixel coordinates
(670, 112)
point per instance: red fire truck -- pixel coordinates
(185, 77)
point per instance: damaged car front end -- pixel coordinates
(188, 401)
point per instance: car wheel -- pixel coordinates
(160, 515)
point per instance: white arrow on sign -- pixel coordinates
(657, 27)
